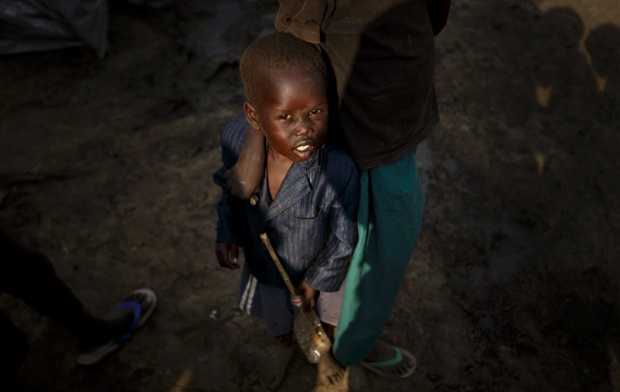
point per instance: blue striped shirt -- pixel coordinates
(311, 223)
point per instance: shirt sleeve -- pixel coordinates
(332, 263)
(232, 136)
(302, 19)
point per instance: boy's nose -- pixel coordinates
(304, 128)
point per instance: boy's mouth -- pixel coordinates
(303, 147)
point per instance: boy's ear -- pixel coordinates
(251, 116)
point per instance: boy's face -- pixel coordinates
(292, 113)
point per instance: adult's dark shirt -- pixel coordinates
(382, 55)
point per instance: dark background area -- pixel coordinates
(105, 166)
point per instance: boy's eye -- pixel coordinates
(315, 111)
(284, 117)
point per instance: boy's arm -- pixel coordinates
(228, 229)
(228, 211)
(332, 264)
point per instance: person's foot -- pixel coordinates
(390, 361)
(331, 373)
(273, 369)
(118, 326)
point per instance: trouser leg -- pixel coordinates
(13, 349)
(389, 221)
(29, 276)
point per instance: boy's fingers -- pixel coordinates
(221, 259)
(234, 264)
(234, 255)
(227, 256)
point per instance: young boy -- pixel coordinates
(308, 199)
(382, 58)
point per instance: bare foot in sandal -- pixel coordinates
(273, 368)
(106, 335)
(390, 361)
(331, 374)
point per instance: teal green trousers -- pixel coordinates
(389, 219)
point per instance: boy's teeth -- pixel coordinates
(303, 148)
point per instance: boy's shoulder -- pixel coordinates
(338, 162)
(337, 154)
(234, 130)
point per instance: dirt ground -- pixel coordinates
(105, 166)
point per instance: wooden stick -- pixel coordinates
(276, 260)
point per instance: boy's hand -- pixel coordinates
(308, 295)
(227, 254)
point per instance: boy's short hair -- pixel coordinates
(276, 52)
